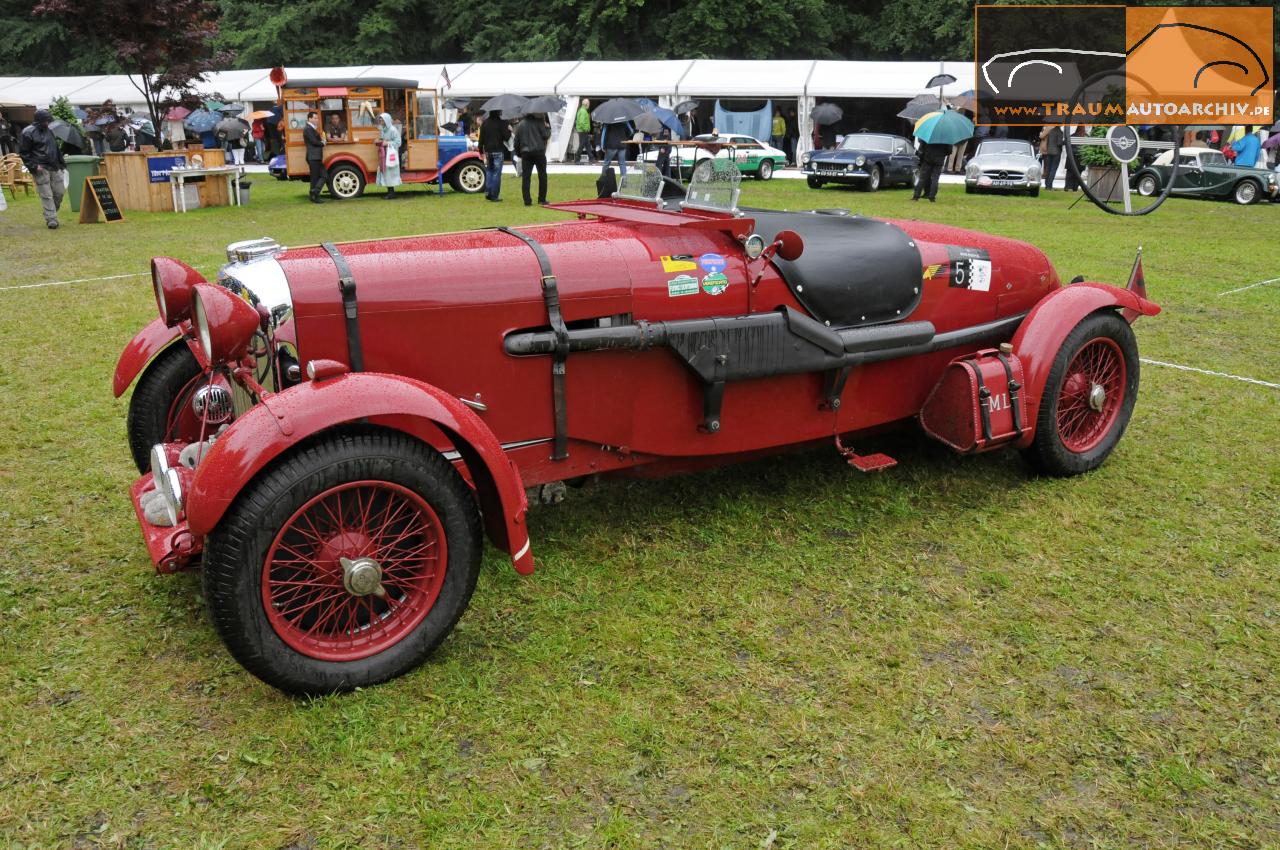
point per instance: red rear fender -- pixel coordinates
(1046, 327)
(287, 418)
(149, 342)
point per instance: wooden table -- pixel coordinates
(178, 181)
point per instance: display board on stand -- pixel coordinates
(98, 202)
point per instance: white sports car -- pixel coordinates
(752, 156)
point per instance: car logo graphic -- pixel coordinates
(1156, 30)
(986, 66)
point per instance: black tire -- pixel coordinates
(1048, 453)
(346, 181)
(1034, 191)
(814, 182)
(235, 557)
(153, 396)
(765, 171)
(970, 189)
(1148, 186)
(463, 178)
(874, 181)
(1246, 192)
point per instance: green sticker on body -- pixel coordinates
(715, 283)
(682, 285)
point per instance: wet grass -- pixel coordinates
(786, 654)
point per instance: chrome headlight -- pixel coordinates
(201, 321)
(167, 482)
(860, 161)
(1033, 173)
(805, 157)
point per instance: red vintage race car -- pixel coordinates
(330, 429)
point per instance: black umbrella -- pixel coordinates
(68, 133)
(685, 106)
(456, 102)
(233, 128)
(826, 113)
(508, 104)
(919, 106)
(452, 126)
(542, 105)
(939, 80)
(617, 110)
(647, 122)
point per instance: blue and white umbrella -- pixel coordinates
(202, 121)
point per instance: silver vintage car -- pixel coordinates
(1003, 165)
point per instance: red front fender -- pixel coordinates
(149, 342)
(1042, 333)
(287, 418)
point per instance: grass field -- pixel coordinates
(786, 654)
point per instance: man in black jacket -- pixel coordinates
(494, 133)
(932, 158)
(314, 140)
(614, 144)
(43, 158)
(531, 143)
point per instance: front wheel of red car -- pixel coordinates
(156, 412)
(345, 565)
(1088, 398)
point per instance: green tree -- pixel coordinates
(35, 46)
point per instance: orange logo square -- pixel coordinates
(1199, 65)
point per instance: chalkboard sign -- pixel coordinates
(98, 201)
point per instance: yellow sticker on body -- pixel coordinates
(679, 263)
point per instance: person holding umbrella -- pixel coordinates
(39, 150)
(937, 132)
(532, 134)
(493, 144)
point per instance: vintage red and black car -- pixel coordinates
(330, 430)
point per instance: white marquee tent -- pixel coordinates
(803, 80)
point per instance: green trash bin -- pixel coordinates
(78, 168)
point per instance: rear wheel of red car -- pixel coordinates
(155, 414)
(346, 181)
(467, 178)
(345, 565)
(1088, 398)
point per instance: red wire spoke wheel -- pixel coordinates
(1091, 395)
(314, 603)
(345, 564)
(1088, 398)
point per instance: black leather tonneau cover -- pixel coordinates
(854, 270)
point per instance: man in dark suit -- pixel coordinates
(314, 140)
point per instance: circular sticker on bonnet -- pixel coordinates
(715, 283)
